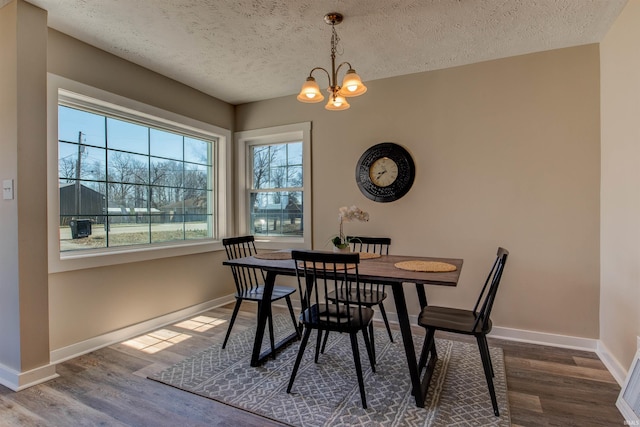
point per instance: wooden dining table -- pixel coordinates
(378, 270)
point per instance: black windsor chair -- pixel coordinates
(474, 322)
(319, 273)
(373, 294)
(250, 285)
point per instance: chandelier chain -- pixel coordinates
(335, 42)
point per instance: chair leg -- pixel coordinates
(426, 347)
(373, 343)
(271, 335)
(236, 308)
(356, 359)
(296, 365)
(318, 341)
(386, 321)
(486, 349)
(370, 349)
(324, 342)
(293, 316)
(486, 364)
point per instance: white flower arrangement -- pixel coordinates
(348, 214)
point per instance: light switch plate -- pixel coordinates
(7, 189)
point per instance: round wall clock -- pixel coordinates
(385, 172)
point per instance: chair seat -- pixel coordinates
(328, 316)
(451, 319)
(256, 294)
(368, 297)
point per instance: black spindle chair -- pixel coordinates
(373, 294)
(476, 322)
(319, 273)
(250, 284)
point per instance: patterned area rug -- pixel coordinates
(326, 394)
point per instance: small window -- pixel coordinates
(276, 178)
(126, 180)
(276, 194)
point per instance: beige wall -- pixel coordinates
(23, 262)
(30, 194)
(620, 229)
(507, 153)
(87, 303)
(9, 287)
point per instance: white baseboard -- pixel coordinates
(95, 343)
(544, 338)
(17, 381)
(612, 364)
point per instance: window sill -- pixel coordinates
(69, 261)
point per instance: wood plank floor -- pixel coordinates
(547, 386)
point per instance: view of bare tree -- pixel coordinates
(277, 168)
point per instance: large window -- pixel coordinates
(275, 177)
(127, 180)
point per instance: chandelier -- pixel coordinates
(351, 84)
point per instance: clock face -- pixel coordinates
(385, 172)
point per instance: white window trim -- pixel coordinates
(67, 261)
(276, 134)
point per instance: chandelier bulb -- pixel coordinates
(310, 91)
(352, 84)
(337, 103)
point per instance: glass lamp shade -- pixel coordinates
(310, 91)
(337, 103)
(352, 85)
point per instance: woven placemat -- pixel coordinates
(274, 255)
(426, 266)
(368, 255)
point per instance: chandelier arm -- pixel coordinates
(325, 71)
(338, 69)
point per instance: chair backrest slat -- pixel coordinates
(378, 245)
(489, 290)
(246, 278)
(320, 273)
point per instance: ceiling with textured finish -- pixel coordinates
(248, 50)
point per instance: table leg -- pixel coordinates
(407, 339)
(263, 313)
(264, 309)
